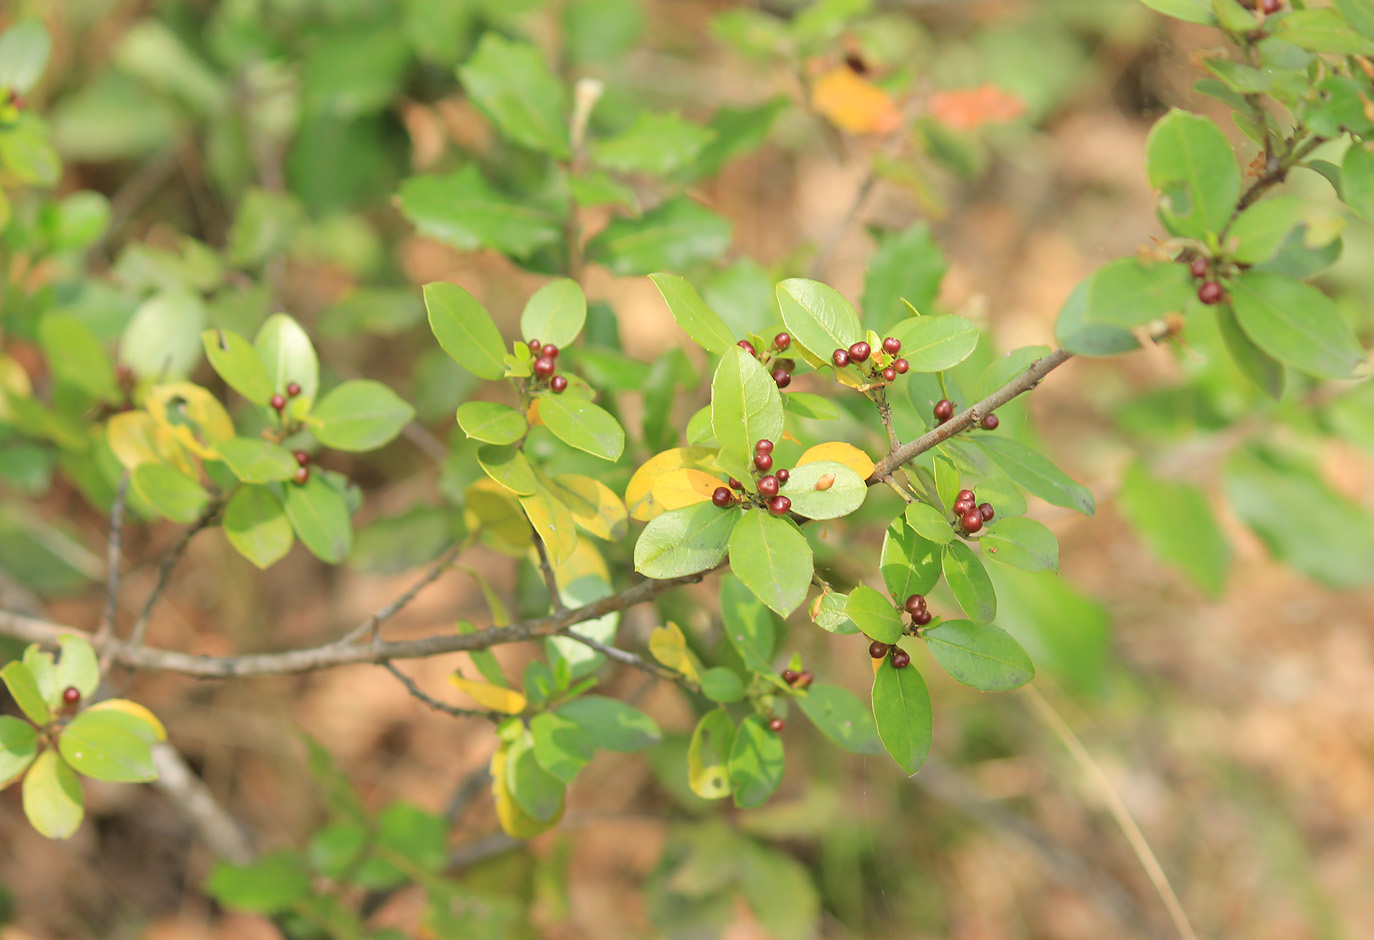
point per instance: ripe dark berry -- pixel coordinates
(722, 497)
(971, 521)
(1271, 7)
(747, 347)
(782, 475)
(302, 458)
(782, 378)
(901, 659)
(292, 390)
(736, 484)
(768, 486)
(877, 649)
(1209, 293)
(550, 350)
(763, 461)
(779, 505)
(990, 422)
(962, 506)
(535, 346)
(71, 695)
(1198, 268)
(986, 511)
(915, 603)
(782, 341)
(790, 676)
(901, 366)
(859, 351)
(944, 410)
(764, 446)
(921, 617)
(278, 402)
(966, 494)
(544, 366)
(805, 679)
(302, 474)
(892, 345)
(776, 725)
(840, 357)
(557, 384)
(889, 374)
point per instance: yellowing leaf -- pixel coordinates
(638, 493)
(506, 701)
(194, 417)
(969, 108)
(686, 487)
(490, 510)
(853, 103)
(532, 413)
(13, 381)
(593, 505)
(840, 452)
(514, 820)
(134, 709)
(137, 439)
(669, 646)
(584, 562)
(553, 522)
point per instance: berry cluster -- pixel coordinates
(944, 410)
(798, 680)
(278, 401)
(1210, 291)
(302, 466)
(768, 484)
(883, 365)
(971, 513)
(900, 657)
(546, 367)
(915, 605)
(781, 368)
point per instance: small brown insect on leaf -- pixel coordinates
(826, 481)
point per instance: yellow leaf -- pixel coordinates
(134, 709)
(842, 453)
(853, 103)
(553, 521)
(594, 506)
(506, 701)
(669, 646)
(135, 438)
(532, 413)
(514, 820)
(194, 417)
(638, 494)
(686, 487)
(13, 381)
(489, 509)
(584, 562)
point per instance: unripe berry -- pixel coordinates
(764, 446)
(944, 410)
(922, 617)
(544, 366)
(763, 461)
(549, 350)
(736, 484)
(302, 458)
(971, 521)
(914, 603)
(779, 505)
(782, 378)
(302, 475)
(877, 649)
(901, 659)
(722, 497)
(859, 351)
(747, 347)
(892, 345)
(1198, 268)
(990, 422)
(901, 366)
(1209, 293)
(776, 725)
(71, 695)
(889, 374)
(782, 341)
(782, 475)
(790, 676)
(986, 511)
(768, 486)
(292, 390)
(840, 357)
(558, 384)
(278, 402)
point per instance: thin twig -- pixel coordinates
(224, 835)
(164, 571)
(371, 627)
(625, 657)
(112, 559)
(550, 582)
(467, 791)
(434, 703)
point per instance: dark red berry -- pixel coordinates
(544, 366)
(71, 695)
(779, 505)
(944, 410)
(763, 461)
(971, 521)
(292, 390)
(805, 679)
(782, 341)
(550, 350)
(782, 475)
(535, 346)
(278, 402)
(764, 446)
(302, 474)
(915, 603)
(921, 617)
(990, 422)
(889, 374)
(1198, 268)
(986, 511)
(736, 484)
(901, 659)
(892, 345)
(776, 725)
(901, 366)
(782, 378)
(302, 458)
(768, 486)
(722, 497)
(859, 351)
(558, 384)
(966, 494)
(1209, 293)
(840, 357)
(747, 347)
(962, 506)
(1271, 7)
(790, 676)
(877, 649)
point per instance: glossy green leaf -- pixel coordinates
(828, 613)
(42, 666)
(874, 614)
(169, 492)
(717, 683)
(979, 655)
(697, 320)
(708, 757)
(907, 266)
(320, 518)
(969, 582)
(76, 356)
(933, 344)
(1254, 363)
(1359, 14)
(684, 541)
(1033, 473)
(745, 409)
(98, 745)
(512, 84)
(272, 884)
(257, 526)
(842, 717)
(24, 51)
(555, 313)
(910, 563)
(237, 362)
(491, 422)
(254, 460)
(1357, 181)
(27, 695)
(508, 466)
(747, 624)
(77, 668)
(824, 489)
(460, 209)
(162, 341)
(807, 405)
(657, 143)
(818, 317)
(583, 425)
(360, 415)
(1079, 333)
(756, 763)
(674, 236)
(18, 748)
(929, 522)
(1177, 524)
(1296, 324)
(1021, 543)
(772, 558)
(612, 724)
(1129, 292)
(901, 710)
(52, 796)
(562, 746)
(465, 330)
(288, 355)
(1261, 229)
(1190, 161)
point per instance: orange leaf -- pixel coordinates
(840, 452)
(853, 103)
(969, 108)
(686, 487)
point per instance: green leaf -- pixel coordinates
(538, 792)
(511, 82)
(717, 683)
(874, 614)
(1296, 324)
(1359, 14)
(1177, 524)
(933, 344)
(595, 188)
(289, 356)
(404, 831)
(748, 626)
(982, 656)
(901, 709)
(561, 745)
(1005, 368)
(555, 313)
(237, 362)
(254, 460)
(684, 541)
(612, 724)
(824, 489)
(77, 668)
(1130, 292)
(842, 717)
(1322, 31)
(24, 51)
(828, 613)
(818, 317)
(491, 422)
(460, 209)
(76, 356)
(745, 409)
(969, 581)
(1192, 11)
(52, 797)
(580, 424)
(1190, 161)
(1254, 363)
(675, 235)
(1021, 543)
(1261, 229)
(657, 143)
(1357, 180)
(360, 415)
(256, 525)
(781, 892)
(929, 522)
(168, 492)
(1082, 335)
(98, 745)
(1032, 472)
(697, 320)
(907, 266)
(319, 515)
(162, 340)
(807, 405)
(264, 223)
(272, 884)
(756, 763)
(910, 564)
(18, 748)
(465, 330)
(708, 757)
(737, 131)
(772, 558)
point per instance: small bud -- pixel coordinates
(826, 481)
